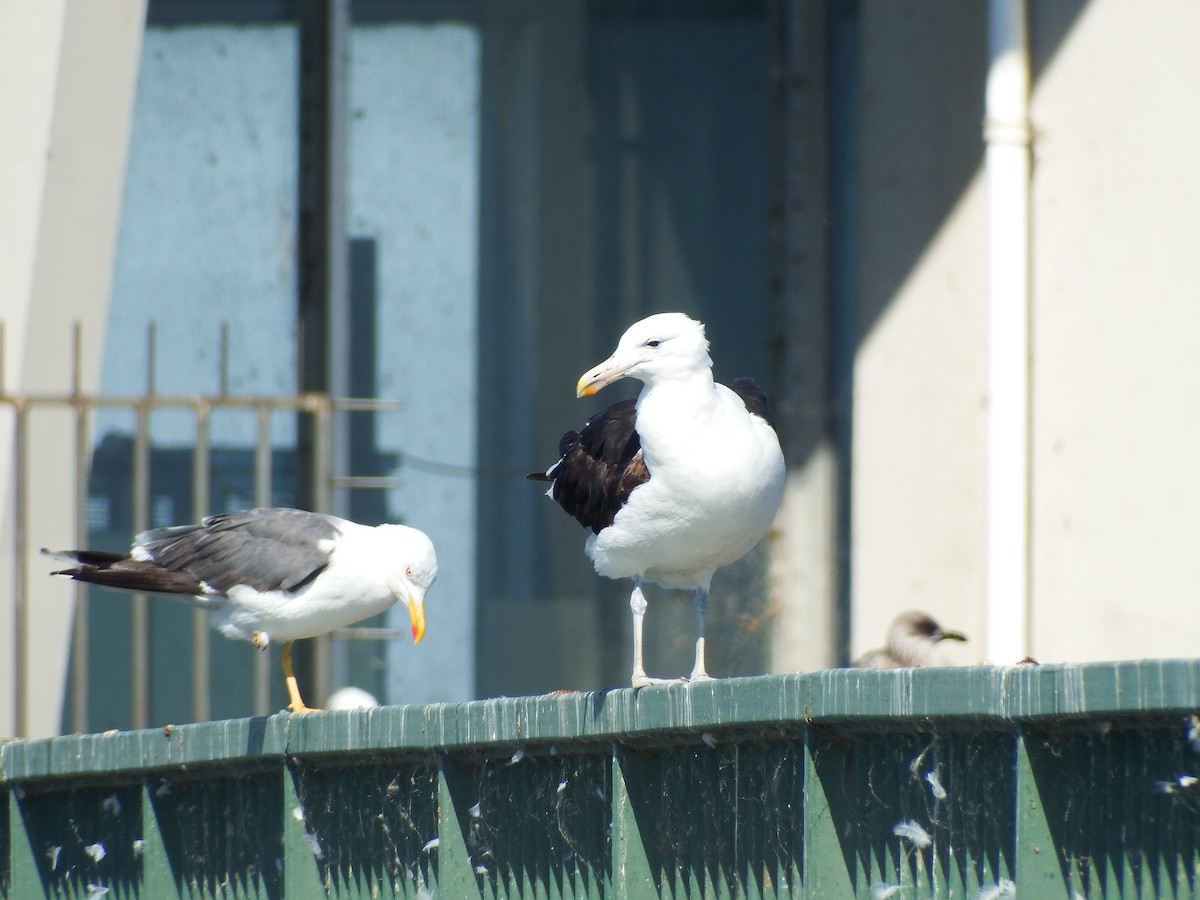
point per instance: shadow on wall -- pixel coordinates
(658, 191)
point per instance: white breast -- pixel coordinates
(716, 480)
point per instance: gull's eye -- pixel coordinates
(653, 342)
(408, 571)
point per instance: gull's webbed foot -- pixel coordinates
(641, 680)
(297, 704)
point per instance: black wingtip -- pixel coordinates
(754, 397)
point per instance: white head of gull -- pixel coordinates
(912, 640)
(274, 574)
(677, 484)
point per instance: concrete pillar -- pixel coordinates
(67, 73)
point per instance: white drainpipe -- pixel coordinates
(1008, 137)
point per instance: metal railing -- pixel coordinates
(1047, 781)
(22, 406)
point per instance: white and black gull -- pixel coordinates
(913, 639)
(677, 484)
(274, 574)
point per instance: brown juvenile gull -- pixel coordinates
(677, 484)
(912, 641)
(274, 574)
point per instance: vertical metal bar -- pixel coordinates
(201, 481)
(322, 474)
(140, 611)
(76, 359)
(79, 632)
(322, 662)
(262, 497)
(140, 615)
(151, 357)
(322, 248)
(224, 365)
(20, 599)
(262, 456)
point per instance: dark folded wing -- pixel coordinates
(599, 467)
(754, 397)
(116, 570)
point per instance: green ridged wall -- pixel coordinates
(1062, 781)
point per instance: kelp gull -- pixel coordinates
(912, 640)
(274, 574)
(677, 484)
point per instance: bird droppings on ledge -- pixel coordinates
(913, 833)
(1179, 783)
(1192, 734)
(935, 785)
(1001, 890)
(314, 844)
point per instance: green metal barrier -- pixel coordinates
(1054, 781)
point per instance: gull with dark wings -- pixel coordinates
(274, 574)
(677, 484)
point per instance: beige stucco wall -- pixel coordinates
(920, 418)
(919, 495)
(1115, 318)
(66, 75)
(1116, 335)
